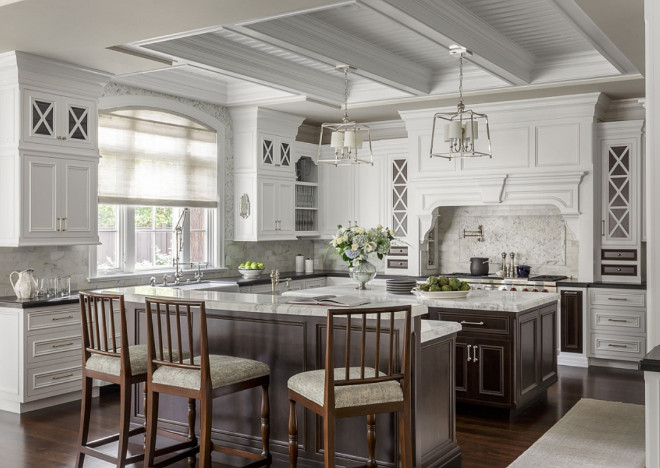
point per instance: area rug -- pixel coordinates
(594, 433)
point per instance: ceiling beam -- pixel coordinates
(320, 41)
(450, 23)
(592, 33)
(227, 57)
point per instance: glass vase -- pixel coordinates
(363, 273)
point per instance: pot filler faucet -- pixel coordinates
(178, 245)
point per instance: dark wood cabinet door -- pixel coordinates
(462, 367)
(492, 370)
(571, 322)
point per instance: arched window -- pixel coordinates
(154, 164)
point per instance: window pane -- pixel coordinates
(107, 254)
(198, 235)
(153, 237)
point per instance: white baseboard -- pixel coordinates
(614, 363)
(573, 360)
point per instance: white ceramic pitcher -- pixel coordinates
(25, 286)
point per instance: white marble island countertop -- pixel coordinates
(506, 301)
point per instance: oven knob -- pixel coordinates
(535, 290)
(544, 290)
(525, 289)
(513, 289)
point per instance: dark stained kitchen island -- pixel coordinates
(290, 339)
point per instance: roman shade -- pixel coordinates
(155, 158)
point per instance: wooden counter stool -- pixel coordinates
(357, 390)
(181, 326)
(103, 319)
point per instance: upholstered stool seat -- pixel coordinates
(224, 370)
(137, 355)
(311, 385)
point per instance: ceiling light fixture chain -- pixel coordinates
(345, 137)
(461, 128)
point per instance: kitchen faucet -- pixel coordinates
(275, 280)
(178, 245)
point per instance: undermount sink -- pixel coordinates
(213, 285)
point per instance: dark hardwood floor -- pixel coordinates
(47, 438)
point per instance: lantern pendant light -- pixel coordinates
(346, 137)
(461, 128)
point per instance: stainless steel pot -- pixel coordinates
(479, 266)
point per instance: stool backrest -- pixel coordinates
(174, 329)
(103, 319)
(367, 338)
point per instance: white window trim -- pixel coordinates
(217, 243)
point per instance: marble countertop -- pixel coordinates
(506, 301)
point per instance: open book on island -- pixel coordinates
(330, 300)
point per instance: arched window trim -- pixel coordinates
(187, 110)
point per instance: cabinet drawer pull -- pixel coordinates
(602, 227)
(63, 345)
(463, 322)
(60, 377)
(617, 299)
(612, 345)
(474, 353)
(617, 320)
(62, 318)
(469, 358)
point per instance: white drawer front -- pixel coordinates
(43, 348)
(40, 319)
(63, 378)
(617, 297)
(618, 347)
(633, 321)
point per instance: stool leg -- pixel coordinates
(205, 419)
(85, 408)
(124, 420)
(329, 431)
(405, 435)
(293, 435)
(265, 423)
(192, 416)
(371, 440)
(144, 411)
(152, 427)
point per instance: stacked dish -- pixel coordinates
(400, 286)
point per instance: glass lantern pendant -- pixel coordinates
(346, 136)
(461, 128)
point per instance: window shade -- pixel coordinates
(156, 159)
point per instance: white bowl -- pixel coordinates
(440, 294)
(250, 273)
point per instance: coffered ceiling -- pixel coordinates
(283, 54)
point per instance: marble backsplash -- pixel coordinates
(73, 261)
(536, 234)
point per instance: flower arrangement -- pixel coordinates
(355, 243)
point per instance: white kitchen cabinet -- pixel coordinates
(49, 154)
(265, 208)
(352, 195)
(58, 201)
(617, 324)
(276, 212)
(621, 200)
(58, 121)
(276, 153)
(40, 354)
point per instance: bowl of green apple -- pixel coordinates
(250, 269)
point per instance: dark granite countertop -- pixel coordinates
(651, 361)
(11, 301)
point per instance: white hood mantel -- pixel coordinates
(543, 154)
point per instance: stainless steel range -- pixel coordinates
(540, 283)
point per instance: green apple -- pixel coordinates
(260, 265)
(241, 266)
(254, 266)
